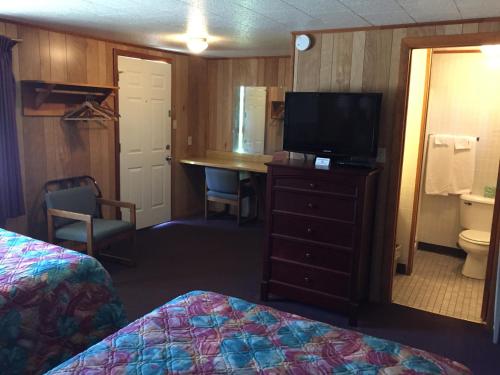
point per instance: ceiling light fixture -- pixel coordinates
(197, 33)
(492, 53)
(491, 49)
(197, 44)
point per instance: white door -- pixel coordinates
(145, 138)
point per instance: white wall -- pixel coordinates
(464, 99)
(412, 137)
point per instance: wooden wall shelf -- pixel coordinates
(50, 98)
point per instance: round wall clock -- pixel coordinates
(303, 42)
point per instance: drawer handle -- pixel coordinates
(310, 205)
(307, 280)
(309, 230)
(312, 185)
(308, 255)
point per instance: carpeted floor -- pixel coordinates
(219, 256)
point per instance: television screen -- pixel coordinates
(338, 124)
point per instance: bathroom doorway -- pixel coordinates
(448, 181)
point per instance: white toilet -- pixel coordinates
(476, 215)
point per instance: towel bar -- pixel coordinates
(477, 138)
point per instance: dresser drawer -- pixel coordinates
(333, 186)
(321, 230)
(330, 206)
(313, 255)
(314, 297)
(310, 277)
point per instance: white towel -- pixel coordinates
(439, 164)
(464, 165)
(464, 142)
(441, 139)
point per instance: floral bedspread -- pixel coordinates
(54, 303)
(208, 333)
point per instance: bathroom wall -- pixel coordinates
(412, 137)
(464, 99)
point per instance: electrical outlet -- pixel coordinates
(190, 140)
(381, 155)
(174, 124)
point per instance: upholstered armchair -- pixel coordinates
(74, 214)
(229, 188)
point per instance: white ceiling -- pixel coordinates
(236, 27)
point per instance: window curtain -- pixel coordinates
(496, 318)
(11, 193)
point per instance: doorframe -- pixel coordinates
(488, 308)
(420, 159)
(396, 152)
(143, 56)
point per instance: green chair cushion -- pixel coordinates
(217, 194)
(246, 191)
(103, 229)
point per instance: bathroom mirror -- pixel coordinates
(258, 119)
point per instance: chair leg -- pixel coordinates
(117, 259)
(206, 200)
(122, 260)
(238, 212)
(256, 208)
(90, 238)
(90, 249)
(134, 245)
(50, 229)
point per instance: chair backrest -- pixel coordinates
(71, 182)
(222, 180)
(81, 199)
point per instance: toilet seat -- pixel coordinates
(477, 237)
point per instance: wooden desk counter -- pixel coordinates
(255, 164)
(228, 160)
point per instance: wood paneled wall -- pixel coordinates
(224, 76)
(368, 60)
(51, 149)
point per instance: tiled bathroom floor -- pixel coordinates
(438, 286)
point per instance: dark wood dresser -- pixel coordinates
(319, 234)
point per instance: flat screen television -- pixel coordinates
(340, 125)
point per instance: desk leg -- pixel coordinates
(259, 187)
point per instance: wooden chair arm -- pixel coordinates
(114, 203)
(111, 202)
(51, 212)
(69, 215)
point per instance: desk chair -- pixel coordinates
(74, 214)
(230, 188)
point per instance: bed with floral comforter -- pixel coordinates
(208, 333)
(54, 303)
